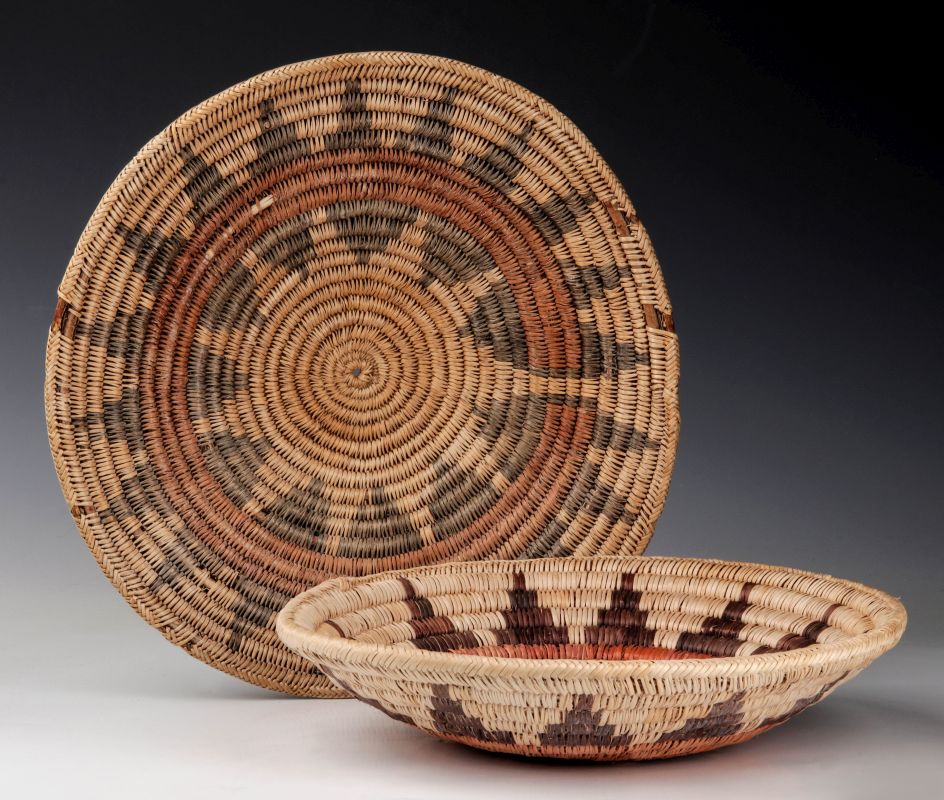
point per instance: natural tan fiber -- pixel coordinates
(367, 312)
(599, 658)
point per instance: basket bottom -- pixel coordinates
(594, 752)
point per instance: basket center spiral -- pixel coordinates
(377, 355)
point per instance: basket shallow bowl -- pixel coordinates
(600, 658)
(368, 312)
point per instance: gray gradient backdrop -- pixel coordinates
(788, 171)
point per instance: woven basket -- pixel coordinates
(598, 658)
(367, 312)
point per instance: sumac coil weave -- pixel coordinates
(367, 312)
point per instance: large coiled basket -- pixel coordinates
(366, 312)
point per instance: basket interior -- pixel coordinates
(597, 615)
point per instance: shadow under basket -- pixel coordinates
(597, 658)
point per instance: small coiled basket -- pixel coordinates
(594, 658)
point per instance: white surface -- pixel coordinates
(115, 711)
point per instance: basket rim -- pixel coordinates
(890, 618)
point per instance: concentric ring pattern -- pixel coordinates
(361, 313)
